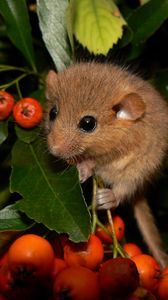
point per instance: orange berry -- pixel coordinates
(31, 254)
(58, 265)
(132, 249)
(88, 254)
(76, 283)
(119, 227)
(162, 289)
(148, 269)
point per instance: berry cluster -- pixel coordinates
(56, 268)
(27, 112)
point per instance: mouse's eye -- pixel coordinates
(88, 124)
(53, 113)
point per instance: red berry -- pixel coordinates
(118, 277)
(6, 105)
(28, 112)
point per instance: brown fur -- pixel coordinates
(124, 152)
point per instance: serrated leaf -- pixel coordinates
(51, 196)
(51, 14)
(18, 27)
(11, 219)
(3, 131)
(97, 24)
(147, 19)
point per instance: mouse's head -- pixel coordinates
(91, 109)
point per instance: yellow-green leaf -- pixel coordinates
(97, 24)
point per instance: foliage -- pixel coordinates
(34, 37)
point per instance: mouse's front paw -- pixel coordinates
(84, 171)
(105, 199)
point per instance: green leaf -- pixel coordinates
(97, 24)
(51, 196)
(51, 14)
(3, 131)
(135, 52)
(12, 219)
(126, 38)
(16, 18)
(39, 95)
(147, 19)
(4, 196)
(27, 135)
(70, 13)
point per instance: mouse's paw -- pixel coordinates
(85, 171)
(105, 199)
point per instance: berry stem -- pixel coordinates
(5, 68)
(18, 89)
(115, 242)
(117, 248)
(7, 85)
(25, 71)
(93, 206)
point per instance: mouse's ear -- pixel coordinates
(131, 107)
(51, 80)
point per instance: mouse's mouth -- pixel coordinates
(76, 159)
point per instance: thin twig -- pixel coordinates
(7, 85)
